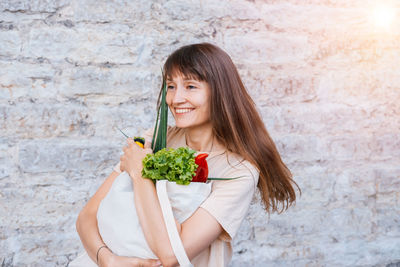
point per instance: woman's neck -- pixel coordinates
(200, 139)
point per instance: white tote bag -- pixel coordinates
(119, 225)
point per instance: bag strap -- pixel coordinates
(169, 219)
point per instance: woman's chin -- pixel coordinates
(182, 124)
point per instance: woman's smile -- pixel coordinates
(182, 111)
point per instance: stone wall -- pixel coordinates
(324, 76)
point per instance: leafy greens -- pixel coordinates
(175, 165)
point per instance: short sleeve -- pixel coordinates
(148, 137)
(230, 200)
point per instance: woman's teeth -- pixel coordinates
(183, 110)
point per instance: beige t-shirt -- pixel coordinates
(229, 200)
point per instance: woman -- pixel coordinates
(214, 114)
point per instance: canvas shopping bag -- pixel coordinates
(119, 225)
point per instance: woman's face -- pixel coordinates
(188, 101)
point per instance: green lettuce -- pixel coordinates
(175, 165)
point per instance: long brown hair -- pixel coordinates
(235, 119)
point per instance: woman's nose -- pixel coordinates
(179, 95)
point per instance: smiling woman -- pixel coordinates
(213, 114)
(188, 101)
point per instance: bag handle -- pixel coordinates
(169, 219)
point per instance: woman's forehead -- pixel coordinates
(187, 76)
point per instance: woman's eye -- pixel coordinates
(170, 87)
(191, 87)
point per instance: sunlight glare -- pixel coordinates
(384, 16)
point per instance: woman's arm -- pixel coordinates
(196, 233)
(86, 224)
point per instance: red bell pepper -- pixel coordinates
(202, 169)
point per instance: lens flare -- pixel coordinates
(384, 16)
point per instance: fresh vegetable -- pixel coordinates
(159, 140)
(202, 169)
(175, 165)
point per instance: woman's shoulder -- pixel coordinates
(230, 164)
(235, 161)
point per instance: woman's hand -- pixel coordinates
(131, 161)
(119, 261)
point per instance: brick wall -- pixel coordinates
(325, 78)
